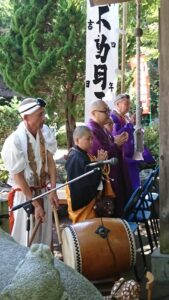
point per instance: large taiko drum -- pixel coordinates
(99, 248)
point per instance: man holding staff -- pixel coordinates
(28, 156)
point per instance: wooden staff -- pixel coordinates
(56, 218)
(149, 285)
(34, 232)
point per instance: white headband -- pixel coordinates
(28, 108)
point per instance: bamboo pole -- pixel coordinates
(138, 35)
(34, 232)
(56, 218)
(123, 55)
(139, 142)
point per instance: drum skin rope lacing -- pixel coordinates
(132, 243)
(77, 249)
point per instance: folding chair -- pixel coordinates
(128, 210)
(149, 200)
(151, 194)
(154, 191)
(154, 174)
(135, 212)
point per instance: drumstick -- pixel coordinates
(55, 213)
(34, 232)
(149, 285)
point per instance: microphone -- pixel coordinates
(112, 161)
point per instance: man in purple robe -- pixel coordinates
(122, 123)
(102, 140)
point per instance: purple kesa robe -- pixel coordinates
(123, 125)
(118, 173)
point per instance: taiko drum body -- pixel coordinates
(99, 248)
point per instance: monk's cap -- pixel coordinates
(121, 97)
(29, 105)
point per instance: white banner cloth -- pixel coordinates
(102, 34)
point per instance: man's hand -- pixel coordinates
(52, 174)
(133, 119)
(102, 155)
(39, 212)
(121, 138)
(53, 198)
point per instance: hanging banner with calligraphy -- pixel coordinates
(102, 35)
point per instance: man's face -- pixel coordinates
(124, 106)
(102, 114)
(36, 120)
(85, 142)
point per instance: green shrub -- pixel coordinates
(61, 172)
(9, 119)
(61, 140)
(151, 139)
(3, 172)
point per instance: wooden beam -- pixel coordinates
(101, 2)
(164, 127)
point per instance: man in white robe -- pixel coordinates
(21, 176)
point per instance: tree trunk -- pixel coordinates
(70, 126)
(70, 118)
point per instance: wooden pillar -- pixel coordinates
(164, 127)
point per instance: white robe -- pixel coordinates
(15, 157)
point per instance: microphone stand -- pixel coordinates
(28, 207)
